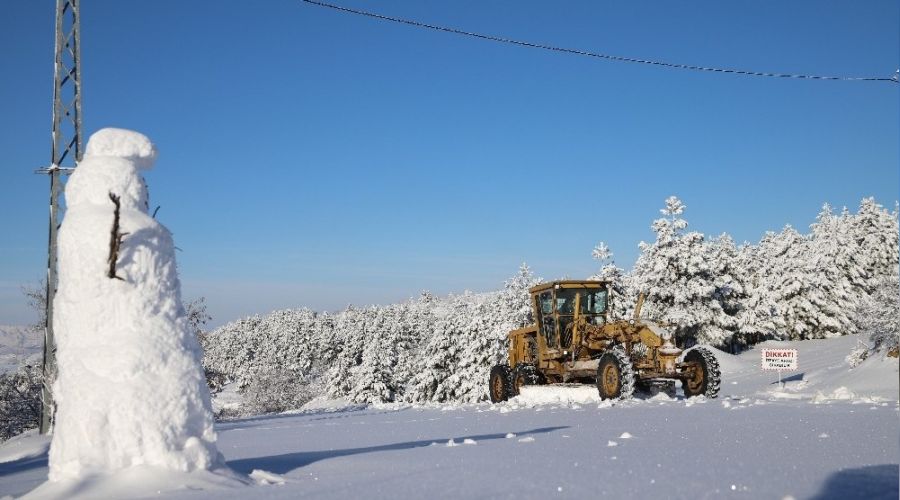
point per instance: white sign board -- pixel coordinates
(779, 359)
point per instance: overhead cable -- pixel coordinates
(891, 79)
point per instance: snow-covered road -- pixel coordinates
(756, 440)
(706, 450)
(713, 449)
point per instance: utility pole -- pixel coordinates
(67, 140)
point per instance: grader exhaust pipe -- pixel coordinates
(637, 308)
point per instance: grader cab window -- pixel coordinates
(548, 323)
(593, 304)
(564, 303)
(546, 303)
(593, 301)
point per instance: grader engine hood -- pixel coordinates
(663, 338)
(655, 336)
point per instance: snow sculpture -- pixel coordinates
(130, 389)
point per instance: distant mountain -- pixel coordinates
(19, 345)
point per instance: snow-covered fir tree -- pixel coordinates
(677, 273)
(433, 368)
(780, 276)
(347, 343)
(874, 238)
(837, 277)
(373, 377)
(427, 349)
(439, 349)
(729, 277)
(756, 320)
(514, 301)
(878, 320)
(451, 359)
(622, 302)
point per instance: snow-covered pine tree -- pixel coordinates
(514, 302)
(413, 324)
(878, 319)
(435, 379)
(231, 349)
(347, 343)
(286, 343)
(484, 342)
(480, 336)
(875, 241)
(415, 327)
(468, 338)
(373, 378)
(622, 302)
(837, 277)
(676, 274)
(756, 320)
(730, 282)
(790, 285)
(20, 401)
(800, 287)
(783, 281)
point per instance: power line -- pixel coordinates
(893, 79)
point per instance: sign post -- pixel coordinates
(780, 360)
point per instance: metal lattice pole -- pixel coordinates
(66, 136)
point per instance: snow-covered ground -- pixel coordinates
(829, 432)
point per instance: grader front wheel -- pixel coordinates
(615, 376)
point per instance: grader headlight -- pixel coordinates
(667, 363)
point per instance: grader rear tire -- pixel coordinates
(500, 386)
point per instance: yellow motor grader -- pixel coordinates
(575, 339)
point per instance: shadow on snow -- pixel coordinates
(872, 482)
(281, 464)
(320, 414)
(793, 378)
(23, 464)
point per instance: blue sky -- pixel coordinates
(312, 158)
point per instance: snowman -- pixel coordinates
(130, 389)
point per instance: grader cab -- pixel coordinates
(575, 340)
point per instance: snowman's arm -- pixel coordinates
(115, 240)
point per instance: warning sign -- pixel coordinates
(779, 359)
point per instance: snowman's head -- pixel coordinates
(120, 143)
(112, 163)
